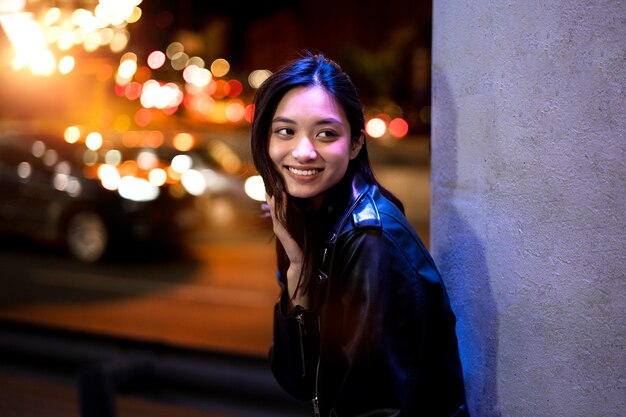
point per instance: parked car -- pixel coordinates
(92, 202)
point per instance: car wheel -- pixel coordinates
(86, 236)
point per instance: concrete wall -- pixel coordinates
(528, 200)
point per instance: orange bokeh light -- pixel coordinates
(183, 141)
(398, 127)
(249, 113)
(143, 117)
(235, 88)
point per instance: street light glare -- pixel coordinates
(42, 63)
(52, 16)
(26, 37)
(66, 64)
(117, 12)
(12, 6)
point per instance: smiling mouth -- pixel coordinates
(304, 172)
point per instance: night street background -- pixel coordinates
(197, 322)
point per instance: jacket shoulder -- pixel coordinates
(366, 213)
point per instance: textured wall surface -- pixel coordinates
(528, 207)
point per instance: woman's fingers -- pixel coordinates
(271, 202)
(294, 253)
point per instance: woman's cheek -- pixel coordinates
(276, 155)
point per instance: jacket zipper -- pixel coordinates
(316, 408)
(315, 400)
(301, 333)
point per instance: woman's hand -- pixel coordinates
(292, 249)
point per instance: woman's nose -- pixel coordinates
(304, 150)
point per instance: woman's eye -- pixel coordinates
(284, 131)
(329, 134)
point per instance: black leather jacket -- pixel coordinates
(381, 338)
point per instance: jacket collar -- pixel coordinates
(354, 201)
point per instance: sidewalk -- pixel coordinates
(40, 370)
(24, 395)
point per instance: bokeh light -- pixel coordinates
(222, 88)
(157, 177)
(235, 88)
(153, 138)
(135, 15)
(156, 59)
(71, 134)
(66, 64)
(109, 176)
(90, 157)
(119, 41)
(160, 96)
(179, 61)
(197, 76)
(194, 182)
(235, 111)
(137, 189)
(147, 160)
(93, 141)
(249, 113)
(257, 77)
(143, 117)
(174, 48)
(255, 188)
(133, 90)
(24, 170)
(113, 157)
(183, 141)
(220, 67)
(38, 149)
(398, 127)
(125, 72)
(116, 12)
(52, 16)
(181, 163)
(375, 127)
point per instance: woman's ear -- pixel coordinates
(357, 145)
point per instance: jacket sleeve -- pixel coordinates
(394, 328)
(294, 352)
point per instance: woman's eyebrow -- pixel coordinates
(282, 120)
(330, 120)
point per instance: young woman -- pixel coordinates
(363, 325)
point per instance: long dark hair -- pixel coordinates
(311, 69)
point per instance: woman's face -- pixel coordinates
(310, 142)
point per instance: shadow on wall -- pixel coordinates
(460, 256)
